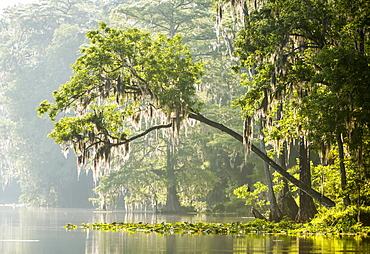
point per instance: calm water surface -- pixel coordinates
(40, 230)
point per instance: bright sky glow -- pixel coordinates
(7, 3)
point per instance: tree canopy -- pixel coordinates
(308, 75)
(122, 76)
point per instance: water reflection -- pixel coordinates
(40, 230)
(120, 216)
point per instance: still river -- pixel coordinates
(40, 231)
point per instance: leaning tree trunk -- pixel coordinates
(307, 209)
(275, 214)
(302, 186)
(172, 200)
(343, 178)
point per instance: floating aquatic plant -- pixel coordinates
(234, 228)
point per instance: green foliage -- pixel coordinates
(333, 222)
(143, 178)
(37, 57)
(308, 68)
(157, 66)
(139, 185)
(120, 76)
(190, 19)
(233, 228)
(339, 220)
(313, 67)
(131, 58)
(255, 197)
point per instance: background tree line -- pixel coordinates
(40, 63)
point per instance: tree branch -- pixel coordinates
(311, 192)
(143, 134)
(127, 140)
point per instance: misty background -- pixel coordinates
(40, 41)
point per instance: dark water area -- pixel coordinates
(40, 230)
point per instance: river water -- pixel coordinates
(26, 230)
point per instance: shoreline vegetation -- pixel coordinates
(330, 222)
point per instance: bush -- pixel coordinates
(339, 219)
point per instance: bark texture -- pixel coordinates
(172, 200)
(307, 209)
(342, 167)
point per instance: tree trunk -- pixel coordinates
(172, 201)
(307, 209)
(286, 202)
(275, 214)
(302, 186)
(343, 178)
